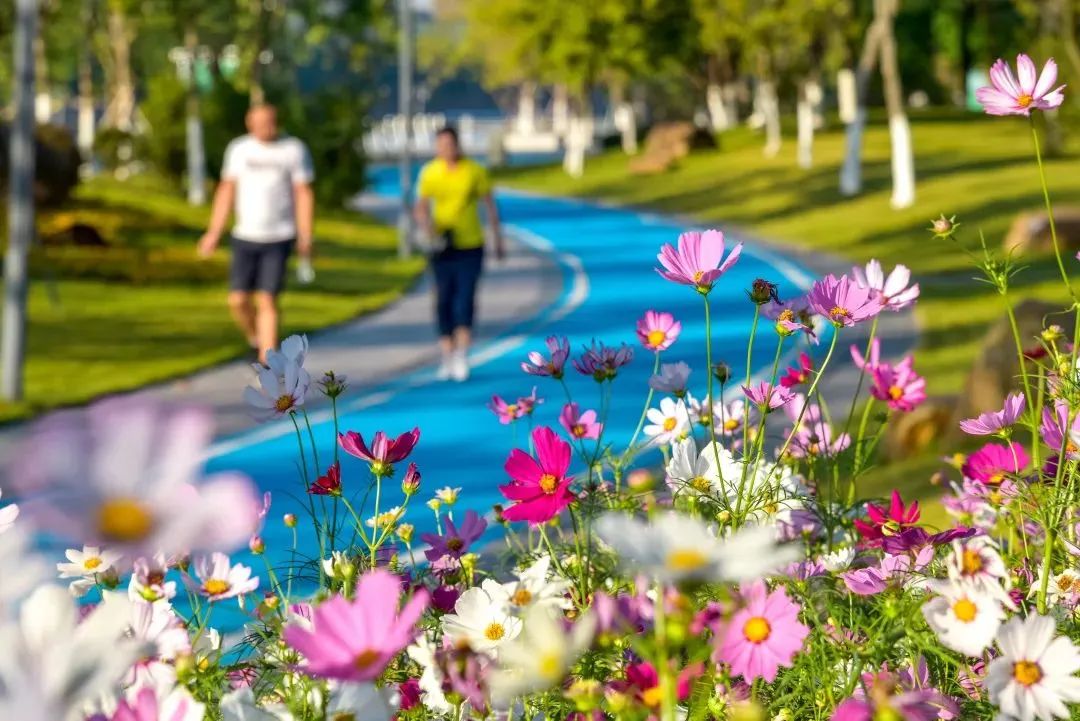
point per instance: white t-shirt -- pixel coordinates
(265, 174)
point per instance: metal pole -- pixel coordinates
(405, 93)
(20, 204)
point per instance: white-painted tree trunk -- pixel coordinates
(560, 110)
(42, 108)
(196, 159)
(626, 123)
(903, 162)
(578, 139)
(525, 122)
(84, 132)
(804, 120)
(847, 96)
(720, 117)
(769, 106)
(851, 169)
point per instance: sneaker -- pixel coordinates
(444, 372)
(459, 367)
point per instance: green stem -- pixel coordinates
(809, 394)
(1050, 210)
(648, 404)
(667, 695)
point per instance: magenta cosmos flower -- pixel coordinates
(383, 452)
(887, 695)
(1057, 430)
(1020, 94)
(355, 640)
(994, 463)
(991, 422)
(657, 331)
(763, 635)
(456, 541)
(887, 522)
(552, 365)
(580, 425)
(698, 261)
(872, 359)
(768, 397)
(843, 301)
(540, 486)
(892, 290)
(899, 386)
(798, 374)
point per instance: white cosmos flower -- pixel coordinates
(668, 422)
(976, 561)
(838, 560)
(894, 289)
(422, 651)
(283, 387)
(240, 705)
(53, 664)
(447, 495)
(218, 579)
(1062, 588)
(148, 580)
(964, 617)
(1033, 677)
(532, 589)
(359, 702)
(539, 658)
(295, 349)
(126, 473)
(21, 570)
(86, 567)
(673, 547)
(690, 469)
(8, 514)
(483, 622)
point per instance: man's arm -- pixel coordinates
(219, 217)
(496, 227)
(422, 215)
(304, 200)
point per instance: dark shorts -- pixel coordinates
(259, 266)
(457, 273)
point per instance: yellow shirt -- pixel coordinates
(454, 193)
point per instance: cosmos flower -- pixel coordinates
(540, 486)
(657, 331)
(893, 290)
(552, 365)
(1034, 675)
(843, 301)
(965, 618)
(768, 397)
(217, 579)
(580, 425)
(1019, 94)
(899, 386)
(539, 658)
(455, 542)
(483, 622)
(994, 463)
(763, 635)
(698, 261)
(383, 452)
(667, 423)
(798, 374)
(991, 422)
(672, 379)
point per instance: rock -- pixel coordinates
(996, 370)
(912, 433)
(1030, 232)
(666, 143)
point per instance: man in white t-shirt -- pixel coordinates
(267, 179)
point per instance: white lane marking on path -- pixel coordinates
(500, 345)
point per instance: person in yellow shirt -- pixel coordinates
(448, 195)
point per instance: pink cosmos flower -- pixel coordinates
(886, 695)
(507, 413)
(603, 362)
(893, 291)
(355, 640)
(456, 541)
(580, 425)
(843, 301)
(813, 440)
(763, 635)
(540, 486)
(887, 521)
(672, 378)
(145, 705)
(993, 463)
(698, 261)
(553, 366)
(899, 386)
(657, 331)
(768, 397)
(798, 374)
(871, 361)
(1020, 94)
(217, 579)
(528, 403)
(989, 423)
(383, 452)
(1057, 431)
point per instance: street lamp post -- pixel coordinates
(405, 92)
(20, 204)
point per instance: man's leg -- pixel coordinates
(464, 308)
(266, 322)
(442, 269)
(243, 314)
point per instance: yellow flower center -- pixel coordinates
(521, 597)
(366, 658)
(91, 563)
(578, 431)
(548, 483)
(494, 631)
(669, 424)
(511, 409)
(965, 610)
(342, 716)
(657, 337)
(996, 498)
(838, 313)
(284, 403)
(996, 479)
(1027, 673)
(756, 629)
(124, 520)
(698, 274)
(651, 697)
(1024, 101)
(455, 544)
(786, 315)
(686, 559)
(216, 587)
(971, 562)
(549, 667)
(896, 393)
(701, 484)
(731, 424)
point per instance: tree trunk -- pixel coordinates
(42, 98)
(625, 119)
(84, 136)
(196, 150)
(256, 92)
(903, 158)
(769, 106)
(560, 110)
(716, 99)
(806, 116)
(851, 169)
(120, 111)
(578, 139)
(525, 122)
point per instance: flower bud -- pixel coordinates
(332, 385)
(256, 545)
(722, 372)
(404, 531)
(1053, 333)
(290, 520)
(410, 484)
(943, 227)
(762, 292)
(639, 479)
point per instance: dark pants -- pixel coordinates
(259, 266)
(456, 275)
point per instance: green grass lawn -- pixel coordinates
(145, 308)
(981, 169)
